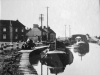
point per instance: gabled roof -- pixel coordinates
(30, 33)
(14, 23)
(5, 22)
(41, 29)
(50, 30)
(79, 35)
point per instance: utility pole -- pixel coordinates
(47, 32)
(47, 23)
(69, 31)
(41, 18)
(65, 32)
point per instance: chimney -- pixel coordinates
(35, 25)
(44, 27)
(48, 27)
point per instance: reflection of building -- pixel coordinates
(11, 31)
(39, 34)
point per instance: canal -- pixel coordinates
(83, 64)
(88, 64)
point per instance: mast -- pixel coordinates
(55, 44)
(69, 31)
(47, 32)
(47, 23)
(41, 18)
(65, 32)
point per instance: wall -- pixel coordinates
(52, 37)
(37, 32)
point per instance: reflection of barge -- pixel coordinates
(56, 70)
(57, 60)
(35, 55)
(82, 48)
(80, 42)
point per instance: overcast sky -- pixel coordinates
(82, 15)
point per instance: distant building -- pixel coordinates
(40, 34)
(37, 33)
(51, 33)
(11, 31)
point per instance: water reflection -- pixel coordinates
(35, 55)
(56, 70)
(58, 60)
(55, 60)
(77, 67)
(82, 49)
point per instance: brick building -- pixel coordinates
(11, 31)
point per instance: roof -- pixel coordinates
(13, 22)
(79, 35)
(55, 51)
(50, 30)
(41, 29)
(31, 32)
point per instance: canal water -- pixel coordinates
(87, 63)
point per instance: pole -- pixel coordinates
(11, 32)
(81, 57)
(41, 18)
(41, 69)
(55, 44)
(69, 31)
(65, 32)
(56, 71)
(47, 32)
(47, 70)
(47, 23)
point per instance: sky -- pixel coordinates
(83, 16)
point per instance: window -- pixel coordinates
(4, 29)
(16, 30)
(4, 36)
(16, 37)
(22, 30)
